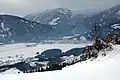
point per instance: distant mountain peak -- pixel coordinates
(62, 10)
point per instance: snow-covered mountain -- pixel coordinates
(63, 20)
(49, 15)
(13, 28)
(104, 20)
(67, 24)
(57, 23)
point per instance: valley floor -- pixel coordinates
(21, 49)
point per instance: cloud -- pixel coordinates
(23, 7)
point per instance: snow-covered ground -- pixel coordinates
(18, 49)
(13, 53)
(103, 68)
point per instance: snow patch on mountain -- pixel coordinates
(116, 26)
(54, 21)
(3, 27)
(102, 18)
(118, 13)
(63, 11)
(32, 26)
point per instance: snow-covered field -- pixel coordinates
(18, 49)
(103, 68)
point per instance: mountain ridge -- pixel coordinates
(13, 27)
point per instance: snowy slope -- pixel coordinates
(99, 69)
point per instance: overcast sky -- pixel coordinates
(24, 7)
